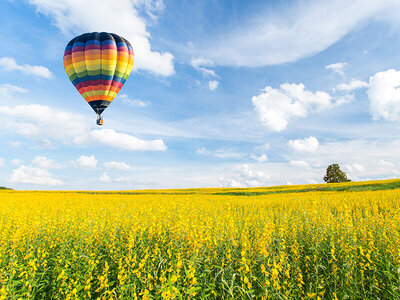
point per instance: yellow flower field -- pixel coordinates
(200, 243)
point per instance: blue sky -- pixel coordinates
(223, 93)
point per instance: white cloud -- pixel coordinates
(200, 63)
(275, 107)
(7, 89)
(384, 95)
(105, 178)
(133, 102)
(208, 72)
(230, 182)
(45, 163)
(354, 168)
(1, 162)
(151, 7)
(120, 141)
(299, 163)
(261, 158)
(39, 121)
(245, 176)
(309, 144)
(203, 151)
(384, 163)
(86, 162)
(16, 161)
(34, 175)
(353, 85)
(213, 84)
(264, 147)
(361, 158)
(117, 165)
(72, 17)
(343, 100)
(43, 144)
(288, 34)
(337, 67)
(9, 64)
(221, 153)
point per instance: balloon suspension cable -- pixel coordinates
(99, 120)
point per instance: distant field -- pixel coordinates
(333, 241)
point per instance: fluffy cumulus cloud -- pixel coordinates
(9, 64)
(73, 17)
(337, 67)
(86, 162)
(245, 176)
(45, 163)
(117, 165)
(384, 95)
(275, 107)
(362, 159)
(38, 121)
(352, 85)
(105, 178)
(34, 175)
(309, 144)
(212, 85)
(285, 35)
(41, 122)
(122, 141)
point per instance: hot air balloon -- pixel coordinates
(98, 65)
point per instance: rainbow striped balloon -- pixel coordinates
(98, 65)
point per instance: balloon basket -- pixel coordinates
(99, 121)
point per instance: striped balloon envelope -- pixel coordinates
(98, 65)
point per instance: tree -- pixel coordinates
(334, 174)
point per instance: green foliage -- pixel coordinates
(335, 175)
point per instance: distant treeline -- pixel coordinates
(4, 188)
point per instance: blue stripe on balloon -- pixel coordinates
(98, 77)
(108, 42)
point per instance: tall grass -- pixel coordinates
(126, 246)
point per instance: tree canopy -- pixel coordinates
(335, 174)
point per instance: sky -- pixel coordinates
(222, 94)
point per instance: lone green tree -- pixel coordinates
(334, 174)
